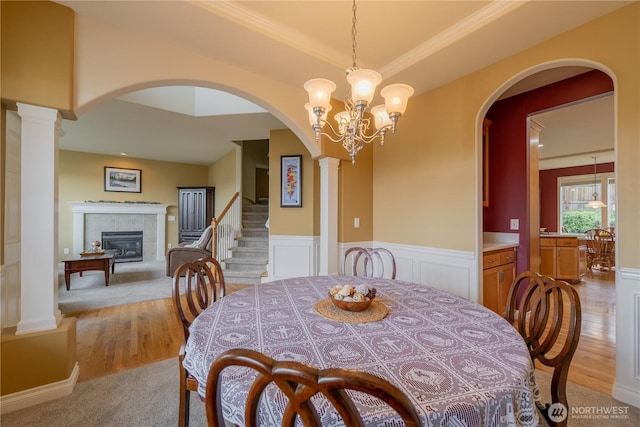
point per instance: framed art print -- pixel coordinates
(291, 181)
(122, 180)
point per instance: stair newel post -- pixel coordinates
(214, 238)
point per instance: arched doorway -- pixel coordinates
(521, 163)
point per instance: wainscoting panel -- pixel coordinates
(292, 256)
(626, 388)
(453, 271)
(450, 277)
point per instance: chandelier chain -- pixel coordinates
(354, 32)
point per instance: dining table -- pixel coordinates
(458, 362)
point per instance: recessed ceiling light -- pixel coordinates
(540, 145)
(124, 153)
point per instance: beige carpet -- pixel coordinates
(132, 282)
(148, 396)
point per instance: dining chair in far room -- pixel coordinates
(548, 316)
(369, 262)
(600, 248)
(196, 285)
(299, 383)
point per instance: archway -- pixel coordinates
(526, 168)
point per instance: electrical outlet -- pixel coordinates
(515, 224)
(168, 245)
(356, 222)
(66, 251)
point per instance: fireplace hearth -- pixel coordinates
(128, 245)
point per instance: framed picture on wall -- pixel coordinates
(291, 181)
(122, 180)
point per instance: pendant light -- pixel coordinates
(353, 127)
(595, 203)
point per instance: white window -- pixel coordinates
(575, 192)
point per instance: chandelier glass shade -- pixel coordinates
(353, 126)
(595, 203)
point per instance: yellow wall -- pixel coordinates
(426, 174)
(81, 178)
(254, 153)
(38, 55)
(356, 197)
(222, 175)
(291, 221)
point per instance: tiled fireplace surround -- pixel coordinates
(91, 219)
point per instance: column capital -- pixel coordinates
(36, 113)
(329, 162)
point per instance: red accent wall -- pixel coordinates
(549, 190)
(508, 143)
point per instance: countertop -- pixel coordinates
(494, 246)
(551, 234)
(492, 241)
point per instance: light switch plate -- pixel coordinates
(515, 224)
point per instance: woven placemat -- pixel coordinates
(376, 311)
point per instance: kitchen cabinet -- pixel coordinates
(498, 273)
(563, 257)
(195, 211)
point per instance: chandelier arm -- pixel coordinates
(378, 133)
(336, 137)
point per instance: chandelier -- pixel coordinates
(353, 127)
(595, 203)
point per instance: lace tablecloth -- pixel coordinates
(460, 363)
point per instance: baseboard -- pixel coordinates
(625, 394)
(34, 396)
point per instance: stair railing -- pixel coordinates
(226, 227)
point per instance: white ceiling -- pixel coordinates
(422, 43)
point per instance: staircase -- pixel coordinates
(248, 260)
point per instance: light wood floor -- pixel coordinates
(114, 339)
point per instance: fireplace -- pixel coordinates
(91, 218)
(128, 244)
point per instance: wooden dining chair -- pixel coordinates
(547, 313)
(196, 285)
(368, 262)
(600, 248)
(299, 383)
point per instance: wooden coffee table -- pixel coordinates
(79, 263)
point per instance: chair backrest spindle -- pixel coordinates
(299, 383)
(368, 262)
(548, 315)
(196, 285)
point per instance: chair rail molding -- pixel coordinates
(449, 270)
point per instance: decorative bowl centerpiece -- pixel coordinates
(352, 298)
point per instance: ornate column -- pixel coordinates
(329, 216)
(39, 219)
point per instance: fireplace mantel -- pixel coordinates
(79, 210)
